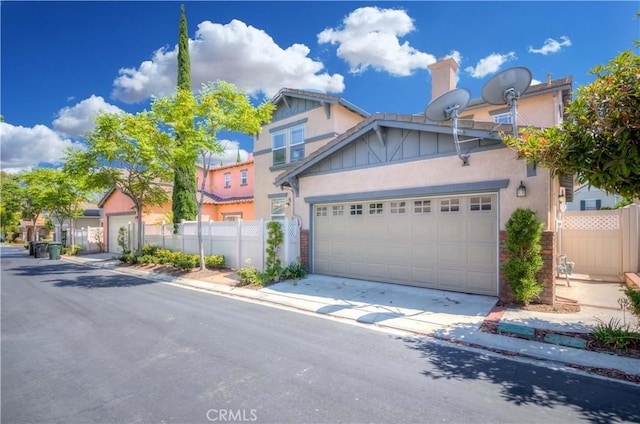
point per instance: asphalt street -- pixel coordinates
(86, 345)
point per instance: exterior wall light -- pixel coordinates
(521, 191)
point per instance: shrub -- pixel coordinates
(295, 270)
(250, 277)
(185, 261)
(275, 237)
(523, 244)
(67, 250)
(214, 261)
(633, 295)
(615, 334)
(146, 259)
(149, 249)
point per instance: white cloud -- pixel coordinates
(456, 55)
(489, 64)
(237, 53)
(24, 148)
(79, 119)
(551, 46)
(369, 38)
(535, 82)
(230, 154)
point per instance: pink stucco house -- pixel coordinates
(228, 197)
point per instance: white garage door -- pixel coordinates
(448, 243)
(114, 224)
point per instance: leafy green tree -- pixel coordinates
(35, 192)
(219, 106)
(64, 199)
(184, 181)
(121, 155)
(10, 202)
(600, 138)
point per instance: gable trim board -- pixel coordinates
(393, 240)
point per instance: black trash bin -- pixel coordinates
(31, 249)
(40, 249)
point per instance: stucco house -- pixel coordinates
(385, 197)
(228, 197)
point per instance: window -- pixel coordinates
(296, 149)
(590, 204)
(234, 216)
(450, 205)
(355, 210)
(503, 118)
(422, 206)
(481, 203)
(243, 177)
(338, 210)
(277, 209)
(398, 208)
(291, 140)
(375, 208)
(227, 180)
(321, 211)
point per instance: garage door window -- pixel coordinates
(422, 206)
(321, 211)
(480, 203)
(355, 210)
(375, 209)
(338, 210)
(450, 205)
(398, 208)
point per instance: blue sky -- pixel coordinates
(64, 62)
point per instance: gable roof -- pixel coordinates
(378, 120)
(282, 95)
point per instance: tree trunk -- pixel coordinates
(139, 230)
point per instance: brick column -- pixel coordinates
(304, 248)
(546, 275)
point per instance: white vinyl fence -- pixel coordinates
(602, 243)
(243, 243)
(90, 239)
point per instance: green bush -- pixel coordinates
(149, 249)
(185, 261)
(295, 270)
(615, 334)
(214, 261)
(146, 259)
(523, 245)
(67, 250)
(633, 295)
(251, 277)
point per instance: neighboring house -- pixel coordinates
(25, 228)
(228, 196)
(587, 198)
(386, 198)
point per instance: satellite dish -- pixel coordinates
(448, 106)
(506, 88)
(443, 107)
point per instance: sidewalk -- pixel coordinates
(447, 316)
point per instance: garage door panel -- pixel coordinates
(481, 282)
(452, 254)
(452, 229)
(452, 278)
(481, 255)
(414, 242)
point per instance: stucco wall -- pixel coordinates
(340, 120)
(534, 110)
(484, 166)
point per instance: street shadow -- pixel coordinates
(102, 281)
(38, 268)
(375, 317)
(526, 384)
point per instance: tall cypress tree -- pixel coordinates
(184, 205)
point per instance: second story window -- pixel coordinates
(503, 118)
(288, 145)
(243, 177)
(227, 180)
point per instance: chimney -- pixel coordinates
(548, 78)
(443, 76)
